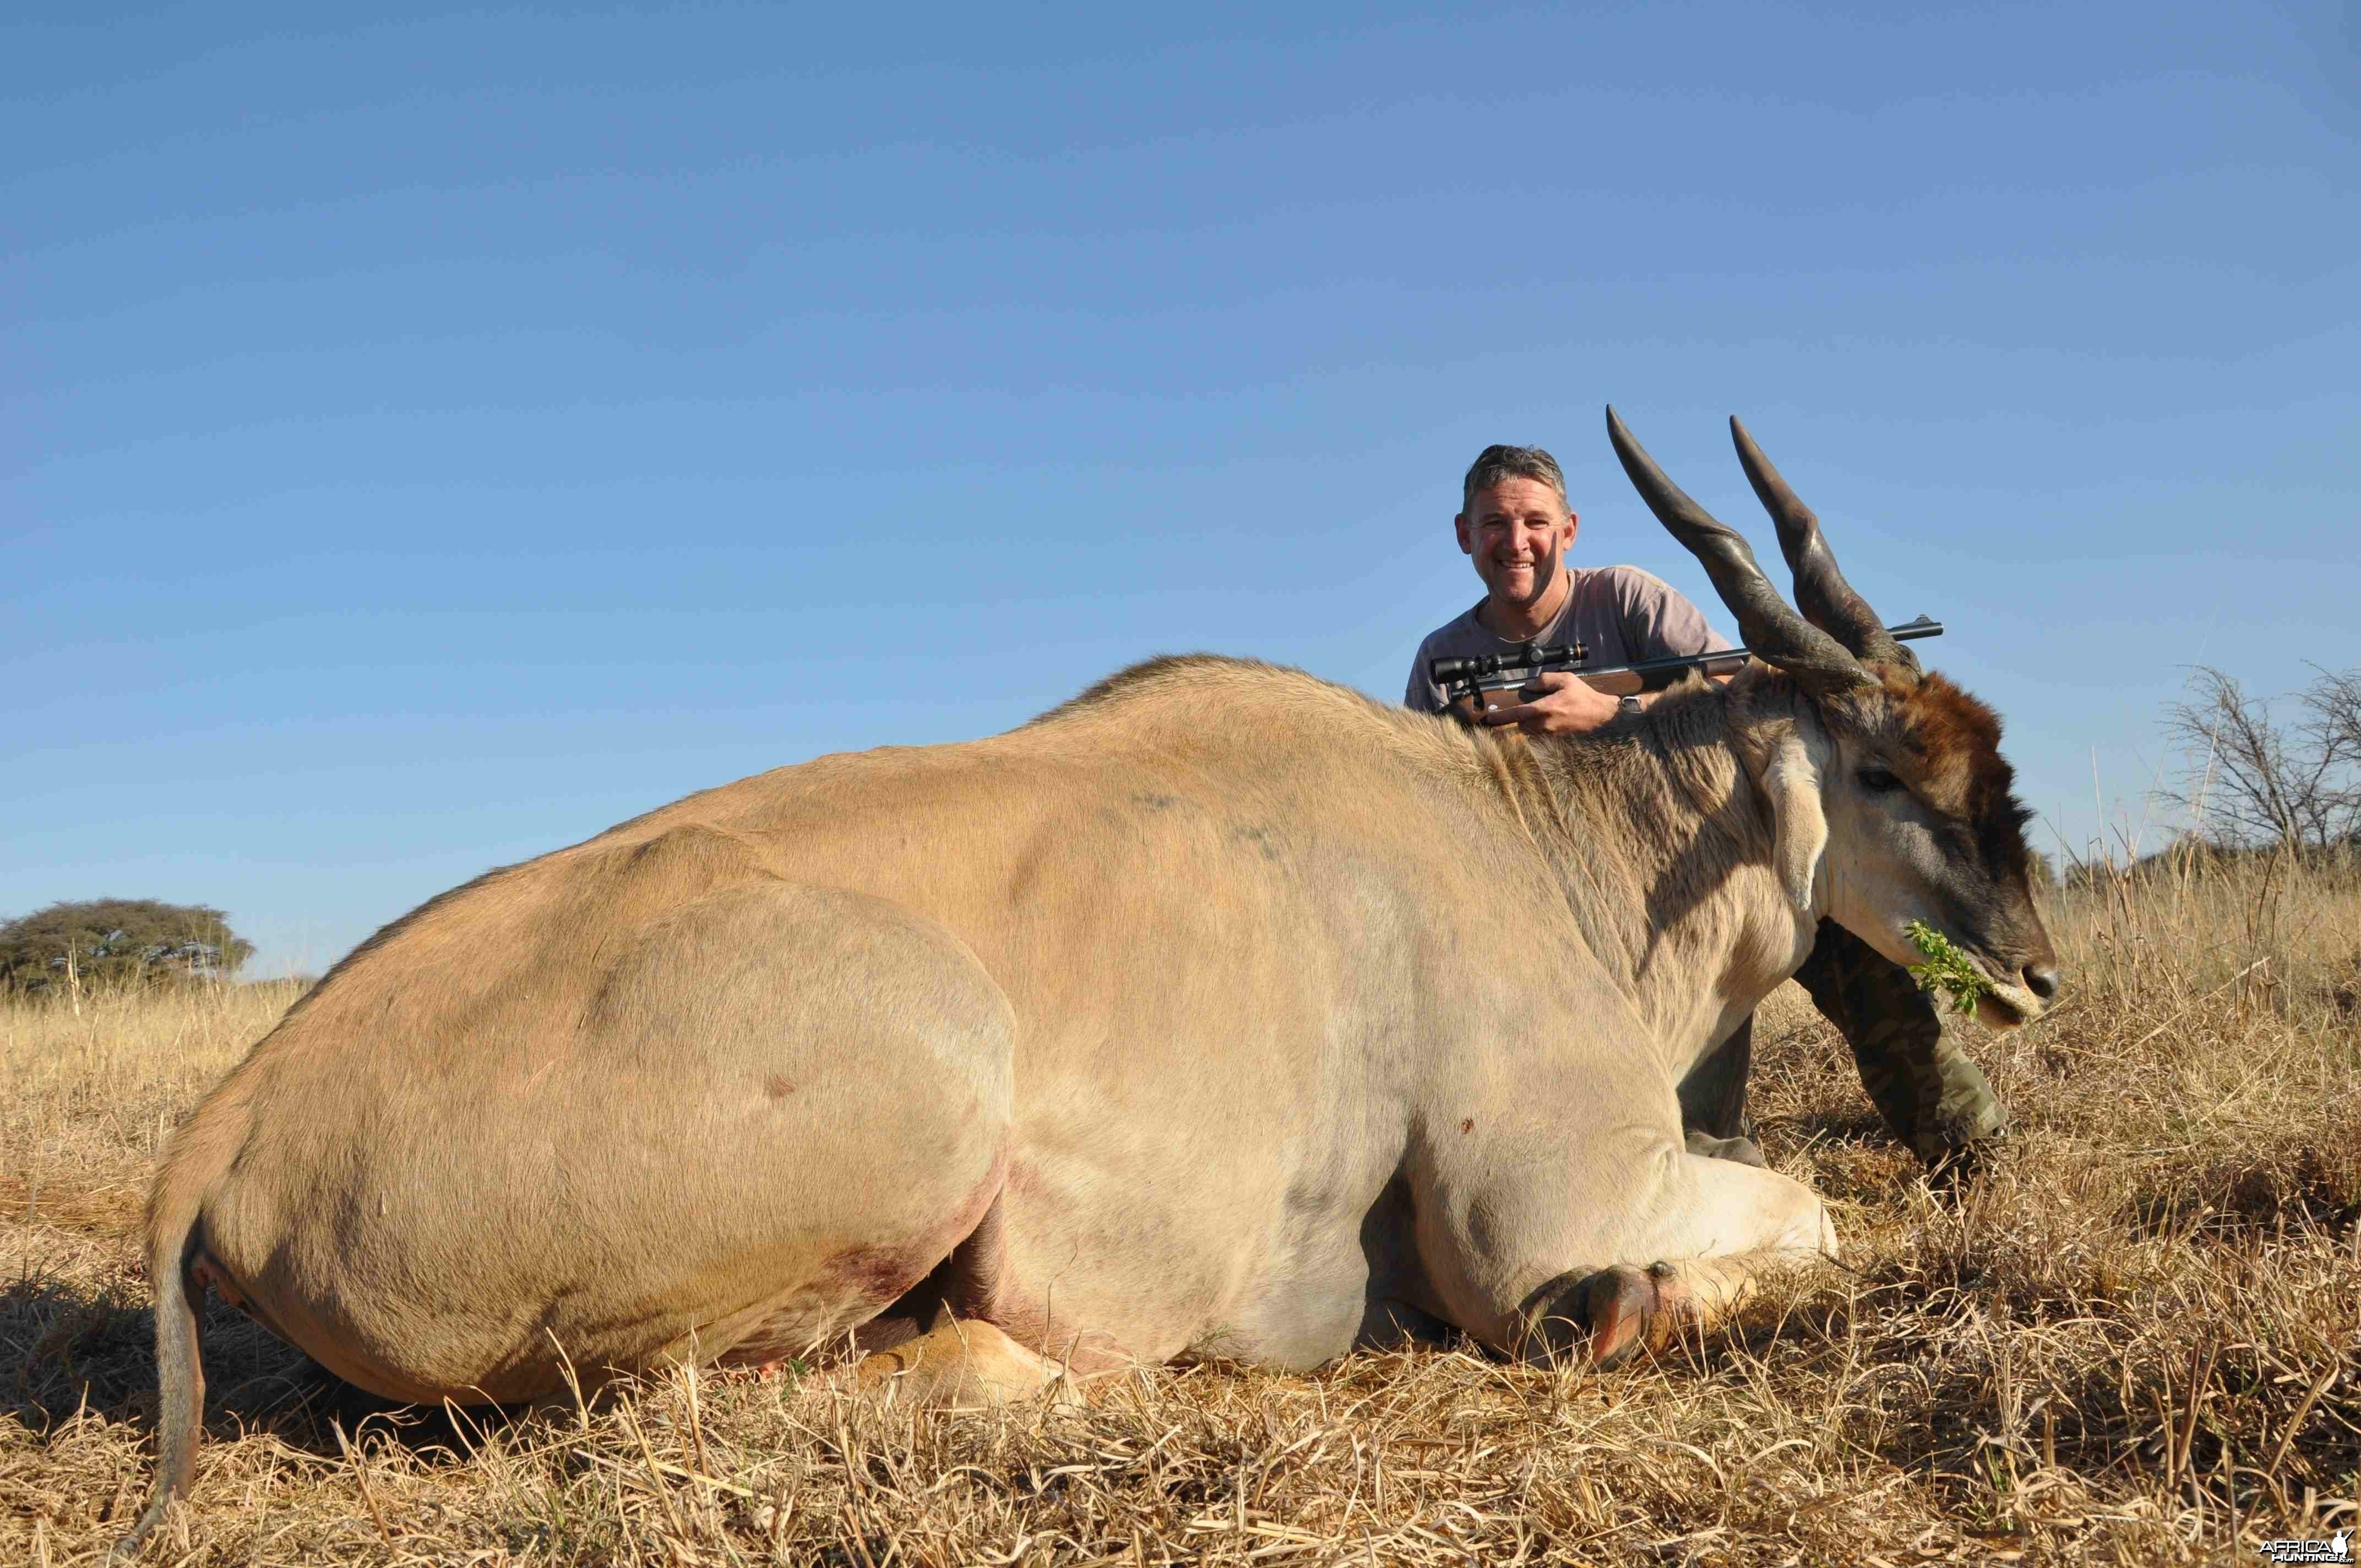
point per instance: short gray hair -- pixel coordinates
(1495, 463)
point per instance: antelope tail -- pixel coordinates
(173, 1243)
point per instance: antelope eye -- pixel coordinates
(1877, 781)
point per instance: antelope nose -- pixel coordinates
(2041, 980)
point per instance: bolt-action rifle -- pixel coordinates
(1490, 682)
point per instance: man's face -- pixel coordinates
(1517, 532)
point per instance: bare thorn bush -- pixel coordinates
(2249, 778)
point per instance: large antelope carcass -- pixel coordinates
(1218, 1010)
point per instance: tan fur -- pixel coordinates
(1219, 1011)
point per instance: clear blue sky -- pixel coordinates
(430, 441)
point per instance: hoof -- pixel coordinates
(1740, 1150)
(1627, 1310)
(967, 1366)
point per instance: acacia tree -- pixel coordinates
(119, 941)
(2251, 778)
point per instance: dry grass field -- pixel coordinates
(2134, 1340)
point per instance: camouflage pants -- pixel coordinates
(1932, 1097)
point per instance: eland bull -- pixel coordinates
(1220, 1010)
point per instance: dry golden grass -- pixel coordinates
(2137, 1339)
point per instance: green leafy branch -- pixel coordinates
(1946, 969)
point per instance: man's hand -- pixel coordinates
(1567, 706)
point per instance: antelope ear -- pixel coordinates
(1799, 824)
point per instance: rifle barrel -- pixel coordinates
(1534, 658)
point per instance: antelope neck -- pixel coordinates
(1665, 843)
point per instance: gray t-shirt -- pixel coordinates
(1622, 613)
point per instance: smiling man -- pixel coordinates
(1516, 526)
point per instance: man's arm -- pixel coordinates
(1565, 707)
(1658, 622)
